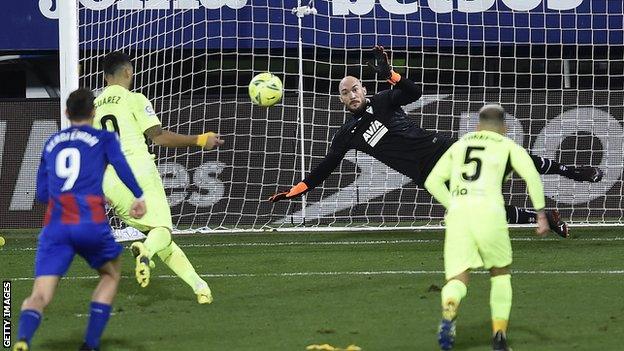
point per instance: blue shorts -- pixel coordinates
(59, 243)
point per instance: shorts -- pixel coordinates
(476, 238)
(59, 243)
(120, 197)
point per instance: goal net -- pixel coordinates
(555, 65)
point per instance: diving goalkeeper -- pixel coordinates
(132, 116)
(379, 127)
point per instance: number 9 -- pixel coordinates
(68, 166)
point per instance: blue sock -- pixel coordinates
(28, 323)
(98, 318)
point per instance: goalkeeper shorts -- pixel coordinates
(476, 238)
(120, 198)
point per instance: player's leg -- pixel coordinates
(516, 215)
(460, 255)
(500, 305)
(96, 244)
(580, 173)
(495, 250)
(175, 258)
(101, 303)
(52, 260)
(32, 309)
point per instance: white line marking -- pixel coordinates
(350, 243)
(333, 273)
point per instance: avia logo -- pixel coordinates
(374, 133)
(50, 10)
(363, 7)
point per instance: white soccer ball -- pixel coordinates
(265, 89)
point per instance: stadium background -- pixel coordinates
(513, 64)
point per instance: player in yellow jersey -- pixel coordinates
(476, 229)
(132, 116)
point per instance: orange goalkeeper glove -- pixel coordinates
(381, 65)
(295, 191)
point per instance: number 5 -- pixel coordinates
(477, 160)
(68, 166)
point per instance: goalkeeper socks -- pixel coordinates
(452, 294)
(517, 215)
(28, 323)
(157, 240)
(180, 265)
(500, 301)
(98, 318)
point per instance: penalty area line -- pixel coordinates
(348, 273)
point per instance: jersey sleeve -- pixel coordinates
(42, 181)
(404, 92)
(337, 150)
(439, 176)
(524, 166)
(116, 158)
(144, 112)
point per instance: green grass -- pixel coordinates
(567, 295)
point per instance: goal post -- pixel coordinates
(557, 66)
(68, 52)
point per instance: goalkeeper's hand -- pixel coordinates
(295, 191)
(209, 140)
(381, 65)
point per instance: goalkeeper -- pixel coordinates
(476, 231)
(132, 116)
(379, 127)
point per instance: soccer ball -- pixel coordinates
(265, 89)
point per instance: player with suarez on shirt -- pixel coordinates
(379, 127)
(133, 118)
(69, 180)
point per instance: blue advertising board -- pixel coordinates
(32, 25)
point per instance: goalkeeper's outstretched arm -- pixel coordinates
(316, 176)
(405, 91)
(166, 138)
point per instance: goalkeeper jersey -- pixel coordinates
(129, 115)
(477, 166)
(384, 131)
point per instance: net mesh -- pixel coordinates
(556, 67)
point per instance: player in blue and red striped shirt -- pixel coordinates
(69, 180)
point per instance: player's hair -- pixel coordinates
(492, 114)
(114, 61)
(80, 104)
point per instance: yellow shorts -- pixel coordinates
(120, 197)
(476, 239)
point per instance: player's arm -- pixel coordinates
(405, 91)
(42, 182)
(166, 138)
(151, 127)
(439, 176)
(336, 153)
(522, 163)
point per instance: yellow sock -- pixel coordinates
(452, 294)
(157, 240)
(173, 257)
(500, 301)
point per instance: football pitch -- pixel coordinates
(376, 290)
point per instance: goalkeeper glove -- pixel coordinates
(295, 191)
(381, 65)
(209, 140)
